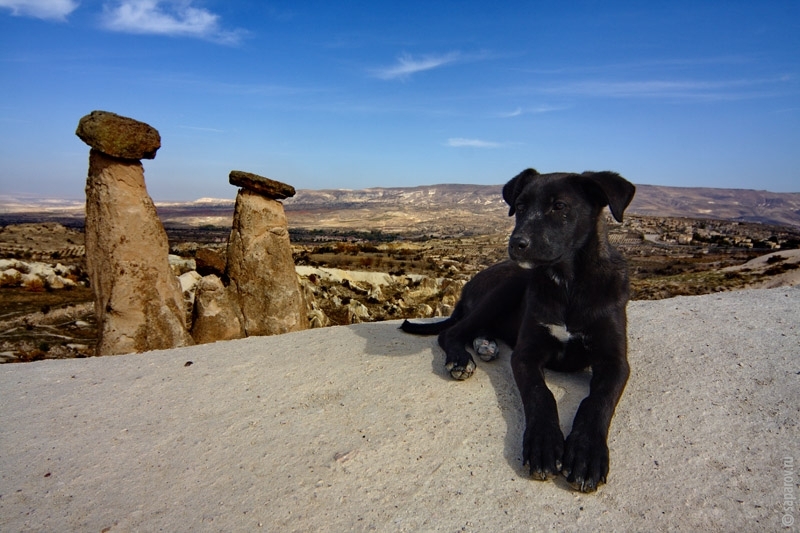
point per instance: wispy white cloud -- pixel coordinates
(631, 88)
(237, 89)
(672, 89)
(642, 66)
(201, 128)
(407, 65)
(510, 114)
(41, 9)
(177, 18)
(529, 111)
(459, 142)
(679, 79)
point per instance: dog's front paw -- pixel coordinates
(461, 370)
(542, 447)
(585, 462)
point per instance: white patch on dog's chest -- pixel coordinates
(559, 331)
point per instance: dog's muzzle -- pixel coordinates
(518, 245)
(528, 254)
(519, 248)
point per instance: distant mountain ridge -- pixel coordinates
(743, 205)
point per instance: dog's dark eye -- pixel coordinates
(519, 207)
(558, 206)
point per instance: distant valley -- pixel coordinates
(448, 207)
(425, 242)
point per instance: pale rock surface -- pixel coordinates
(338, 275)
(357, 312)
(318, 319)
(425, 288)
(10, 277)
(138, 299)
(424, 310)
(188, 281)
(443, 309)
(216, 313)
(261, 269)
(181, 265)
(787, 261)
(34, 274)
(385, 296)
(360, 428)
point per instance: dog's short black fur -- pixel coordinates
(560, 303)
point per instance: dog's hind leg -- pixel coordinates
(486, 348)
(475, 329)
(458, 361)
(454, 341)
(488, 307)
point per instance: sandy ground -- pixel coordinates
(358, 428)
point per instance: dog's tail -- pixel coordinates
(432, 328)
(427, 328)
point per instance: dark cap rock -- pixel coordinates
(119, 136)
(261, 185)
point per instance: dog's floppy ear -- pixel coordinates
(512, 189)
(611, 189)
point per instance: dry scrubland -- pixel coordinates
(412, 262)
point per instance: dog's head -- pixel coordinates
(556, 214)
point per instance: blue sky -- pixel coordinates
(376, 94)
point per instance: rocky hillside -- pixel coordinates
(740, 205)
(461, 206)
(428, 196)
(469, 209)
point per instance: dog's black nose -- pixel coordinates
(519, 243)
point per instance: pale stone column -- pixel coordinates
(260, 266)
(138, 300)
(216, 316)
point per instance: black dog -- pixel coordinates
(560, 303)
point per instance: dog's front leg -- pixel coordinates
(543, 442)
(585, 461)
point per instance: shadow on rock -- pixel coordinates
(569, 389)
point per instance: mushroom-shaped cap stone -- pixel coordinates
(118, 136)
(261, 185)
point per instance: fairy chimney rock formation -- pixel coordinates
(138, 300)
(260, 266)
